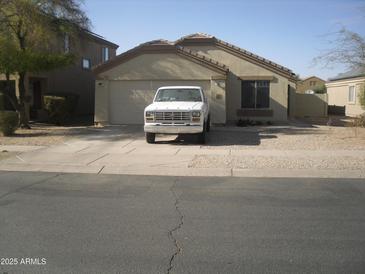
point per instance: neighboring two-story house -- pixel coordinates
(238, 83)
(90, 50)
(309, 84)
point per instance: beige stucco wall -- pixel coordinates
(241, 67)
(136, 79)
(311, 105)
(102, 101)
(217, 101)
(75, 79)
(292, 98)
(338, 92)
(168, 66)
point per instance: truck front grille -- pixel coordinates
(172, 116)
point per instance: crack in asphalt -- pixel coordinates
(28, 186)
(178, 247)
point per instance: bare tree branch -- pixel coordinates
(348, 48)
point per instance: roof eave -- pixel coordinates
(347, 78)
(242, 53)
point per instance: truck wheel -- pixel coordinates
(201, 136)
(208, 124)
(150, 137)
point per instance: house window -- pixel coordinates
(66, 43)
(255, 94)
(312, 83)
(352, 94)
(86, 63)
(105, 54)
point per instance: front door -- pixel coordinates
(37, 95)
(35, 89)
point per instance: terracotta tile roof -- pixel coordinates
(200, 37)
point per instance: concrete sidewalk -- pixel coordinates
(134, 156)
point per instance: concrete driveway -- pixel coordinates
(284, 151)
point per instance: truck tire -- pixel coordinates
(150, 137)
(201, 136)
(208, 123)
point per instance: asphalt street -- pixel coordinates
(87, 223)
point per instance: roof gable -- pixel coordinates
(161, 46)
(311, 77)
(205, 39)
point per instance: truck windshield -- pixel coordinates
(178, 95)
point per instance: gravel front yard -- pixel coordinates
(316, 147)
(295, 146)
(272, 162)
(288, 138)
(44, 135)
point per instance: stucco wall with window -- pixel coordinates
(239, 67)
(77, 78)
(339, 95)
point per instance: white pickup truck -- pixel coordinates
(177, 110)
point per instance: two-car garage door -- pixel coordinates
(127, 99)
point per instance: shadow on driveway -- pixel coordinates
(219, 136)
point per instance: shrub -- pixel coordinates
(244, 123)
(9, 122)
(60, 107)
(248, 122)
(359, 121)
(320, 89)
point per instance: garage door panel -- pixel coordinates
(127, 99)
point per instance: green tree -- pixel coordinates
(32, 29)
(320, 89)
(8, 67)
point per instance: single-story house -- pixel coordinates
(238, 83)
(343, 91)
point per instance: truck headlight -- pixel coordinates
(150, 116)
(195, 116)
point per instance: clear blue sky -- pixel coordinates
(288, 32)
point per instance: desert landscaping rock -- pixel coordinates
(261, 162)
(288, 151)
